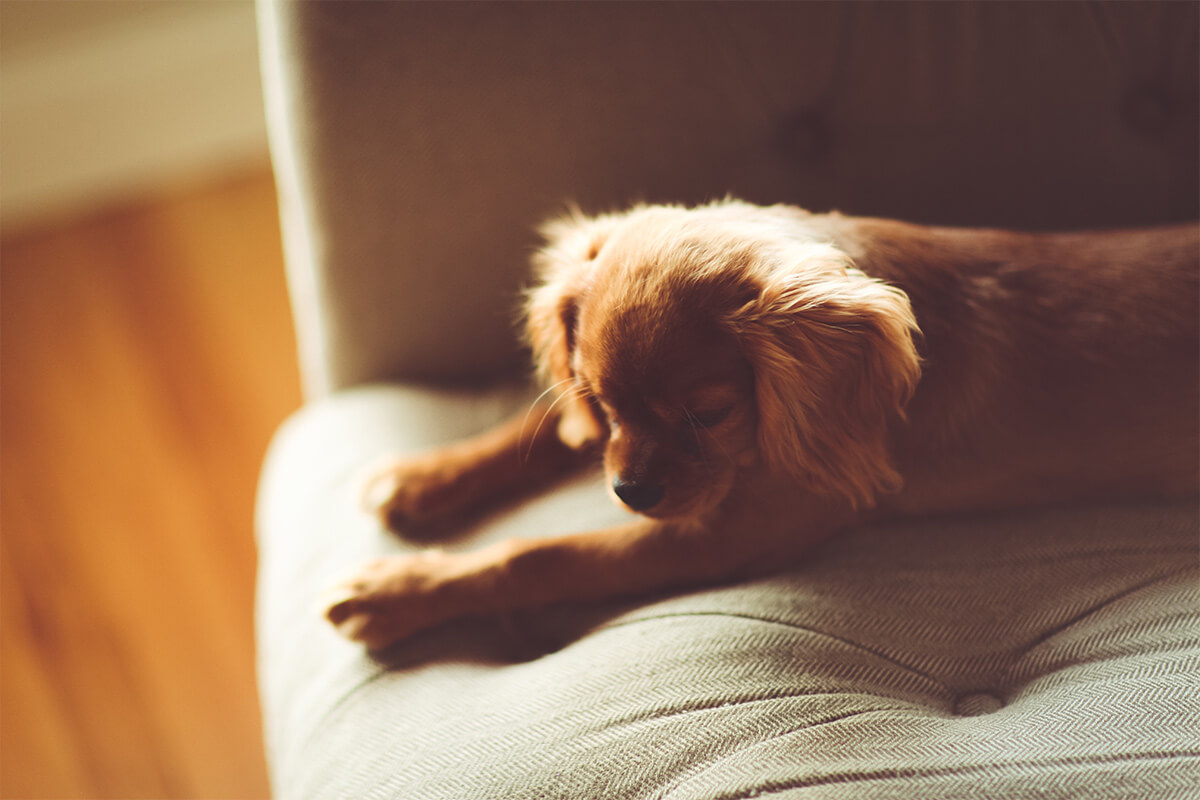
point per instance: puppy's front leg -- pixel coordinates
(519, 455)
(397, 596)
(394, 597)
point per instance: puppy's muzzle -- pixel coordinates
(637, 495)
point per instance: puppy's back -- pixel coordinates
(1055, 366)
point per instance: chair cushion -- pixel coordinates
(1046, 654)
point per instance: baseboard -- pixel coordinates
(167, 92)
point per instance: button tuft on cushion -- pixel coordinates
(976, 704)
(1147, 110)
(804, 136)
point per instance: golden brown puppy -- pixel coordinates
(759, 378)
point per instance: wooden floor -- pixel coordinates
(146, 355)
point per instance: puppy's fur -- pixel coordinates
(759, 378)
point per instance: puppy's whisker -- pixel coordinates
(552, 387)
(533, 405)
(541, 421)
(724, 450)
(574, 391)
(695, 426)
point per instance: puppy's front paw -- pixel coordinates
(415, 492)
(389, 599)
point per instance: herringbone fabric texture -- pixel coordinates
(1050, 654)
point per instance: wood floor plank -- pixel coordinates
(146, 357)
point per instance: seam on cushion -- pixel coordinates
(830, 720)
(1078, 618)
(1039, 560)
(1171, 525)
(966, 769)
(1025, 671)
(677, 711)
(318, 725)
(794, 626)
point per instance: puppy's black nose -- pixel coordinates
(638, 496)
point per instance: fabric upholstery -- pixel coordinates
(1049, 654)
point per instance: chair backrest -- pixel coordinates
(417, 145)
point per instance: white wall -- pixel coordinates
(102, 100)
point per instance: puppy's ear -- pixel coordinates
(551, 312)
(834, 361)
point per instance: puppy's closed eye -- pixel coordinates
(709, 417)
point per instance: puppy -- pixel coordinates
(758, 378)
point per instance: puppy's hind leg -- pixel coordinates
(414, 493)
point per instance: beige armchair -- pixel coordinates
(1050, 654)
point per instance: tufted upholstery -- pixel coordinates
(1047, 654)
(1050, 655)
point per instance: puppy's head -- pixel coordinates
(696, 343)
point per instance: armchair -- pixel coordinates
(1043, 654)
